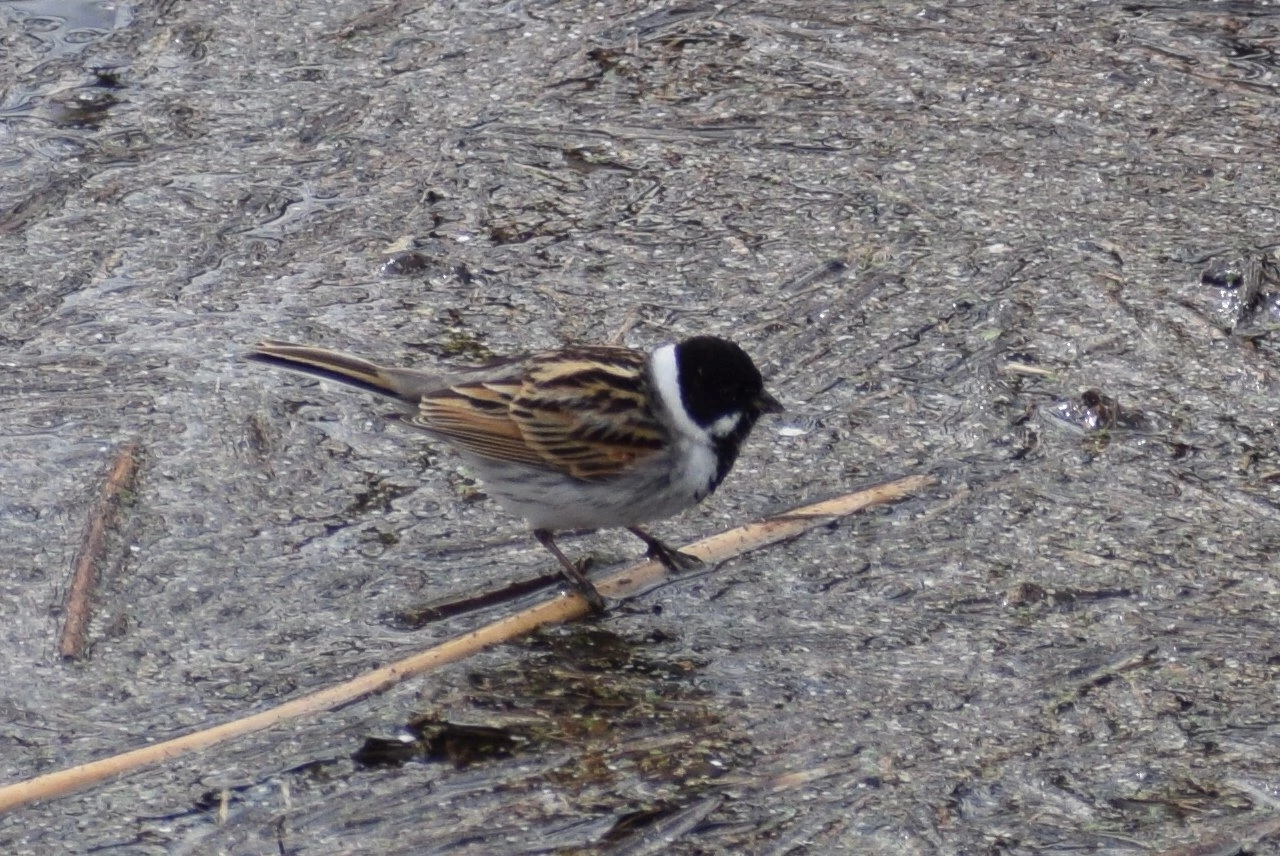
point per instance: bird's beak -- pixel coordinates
(766, 403)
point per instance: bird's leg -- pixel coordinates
(571, 572)
(672, 560)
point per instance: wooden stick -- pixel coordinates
(79, 606)
(562, 608)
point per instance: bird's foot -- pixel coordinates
(672, 559)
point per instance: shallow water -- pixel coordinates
(1071, 644)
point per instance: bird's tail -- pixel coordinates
(407, 385)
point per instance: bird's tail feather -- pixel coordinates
(405, 384)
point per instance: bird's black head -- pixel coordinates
(717, 382)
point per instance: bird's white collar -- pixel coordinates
(666, 379)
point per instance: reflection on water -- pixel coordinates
(61, 27)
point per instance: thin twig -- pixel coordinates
(79, 605)
(563, 608)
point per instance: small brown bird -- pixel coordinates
(578, 438)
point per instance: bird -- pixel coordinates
(581, 437)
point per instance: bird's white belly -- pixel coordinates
(653, 491)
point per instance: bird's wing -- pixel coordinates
(585, 413)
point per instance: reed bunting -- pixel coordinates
(579, 438)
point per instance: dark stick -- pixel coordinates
(79, 606)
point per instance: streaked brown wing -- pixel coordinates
(476, 417)
(585, 413)
(589, 415)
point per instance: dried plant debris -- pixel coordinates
(1098, 420)
(1095, 413)
(1031, 595)
(1244, 294)
(594, 717)
(428, 738)
(407, 263)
